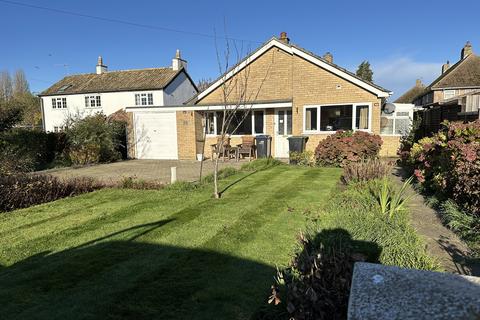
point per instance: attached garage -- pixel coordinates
(155, 135)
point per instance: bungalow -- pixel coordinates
(293, 92)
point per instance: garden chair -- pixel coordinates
(221, 150)
(247, 147)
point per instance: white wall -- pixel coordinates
(111, 102)
(178, 91)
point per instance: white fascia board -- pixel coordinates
(308, 57)
(243, 64)
(210, 108)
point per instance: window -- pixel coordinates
(329, 118)
(361, 118)
(333, 118)
(398, 123)
(58, 129)
(311, 119)
(59, 103)
(144, 99)
(210, 122)
(258, 122)
(92, 101)
(447, 94)
(242, 122)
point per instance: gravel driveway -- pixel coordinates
(158, 170)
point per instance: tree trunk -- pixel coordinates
(216, 194)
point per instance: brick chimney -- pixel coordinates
(177, 62)
(467, 50)
(284, 38)
(328, 56)
(445, 67)
(101, 68)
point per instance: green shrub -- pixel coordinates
(25, 190)
(305, 158)
(366, 170)
(40, 148)
(140, 184)
(12, 161)
(94, 139)
(343, 147)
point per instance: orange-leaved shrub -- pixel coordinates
(344, 147)
(448, 163)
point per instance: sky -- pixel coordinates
(403, 40)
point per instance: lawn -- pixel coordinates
(169, 254)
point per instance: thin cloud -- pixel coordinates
(399, 74)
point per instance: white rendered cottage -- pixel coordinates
(109, 91)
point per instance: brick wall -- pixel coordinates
(131, 152)
(287, 77)
(186, 134)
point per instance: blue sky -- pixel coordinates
(403, 40)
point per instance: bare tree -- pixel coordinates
(6, 88)
(203, 84)
(237, 97)
(20, 83)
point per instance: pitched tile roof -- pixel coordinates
(194, 99)
(111, 81)
(411, 94)
(465, 73)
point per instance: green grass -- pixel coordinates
(387, 239)
(175, 253)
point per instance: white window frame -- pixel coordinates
(354, 116)
(97, 101)
(144, 95)
(453, 93)
(59, 103)
(393, 117)
(252, 119)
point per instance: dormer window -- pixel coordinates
(144, 99)
(93, 101)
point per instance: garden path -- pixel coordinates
(451, 252)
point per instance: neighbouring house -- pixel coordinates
(295, 93)
(453, 96)
(109, 91)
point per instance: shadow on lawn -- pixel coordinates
(128, 279)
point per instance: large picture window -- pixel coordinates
(242, 122)
(330, 118)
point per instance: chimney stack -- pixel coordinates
(418, 83)
(467, 50)
(328, 56)
(284, 38)
(100, 67)
(177, 62)
(445, 67)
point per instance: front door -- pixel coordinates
(283, 130)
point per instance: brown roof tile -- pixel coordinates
(465, 73)
(411, 94)
(111, 81)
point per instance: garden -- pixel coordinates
(172, 251)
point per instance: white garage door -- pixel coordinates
(156, 135)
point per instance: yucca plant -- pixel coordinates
(391, 200)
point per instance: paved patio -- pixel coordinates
(158, 170)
